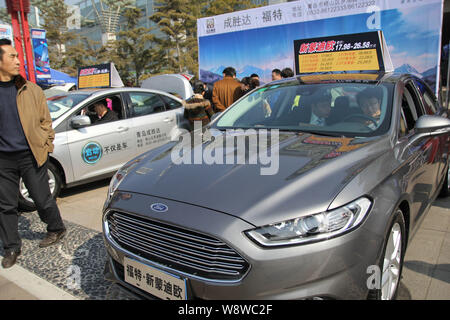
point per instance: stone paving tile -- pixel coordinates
(9, 291)
(82, 215)
(439, 288)
(443, 262)
(437, 219)
(75, 265)
(414, 284)
(425, 247)
(3, 280)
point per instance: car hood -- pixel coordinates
(311, 171)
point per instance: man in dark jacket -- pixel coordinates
(26, 139)
(104, 114)
(227, 90)
(197, 108)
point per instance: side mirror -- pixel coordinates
(433, 125)
(427, 126)
(80, 121)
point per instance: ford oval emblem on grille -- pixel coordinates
(159, 207)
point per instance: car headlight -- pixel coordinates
(120, 175)
(314, 227)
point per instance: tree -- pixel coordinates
(4, 16)
(216, 7)
(173, 17)
(81, 52)
(135, 47)
(177, 20)
(55, 16)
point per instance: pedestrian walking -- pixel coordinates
(227, 90)
(26, 139)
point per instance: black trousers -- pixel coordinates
(13, 166)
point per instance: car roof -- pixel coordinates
(330, 77)
(101, 91)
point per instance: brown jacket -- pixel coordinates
(35, 118)
(225, 92)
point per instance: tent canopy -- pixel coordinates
(58, 78)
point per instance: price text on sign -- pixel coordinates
(96, 80)
(348, 52)
(339, 61)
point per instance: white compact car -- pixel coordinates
(85, 151)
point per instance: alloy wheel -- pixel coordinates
(392, 263)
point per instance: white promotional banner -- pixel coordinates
(6, 32)
(261, 39)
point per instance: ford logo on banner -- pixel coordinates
(159, 207)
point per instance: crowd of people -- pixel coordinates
(208, 100)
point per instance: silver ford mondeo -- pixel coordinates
(306, 188)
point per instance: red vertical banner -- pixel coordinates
(22, 6)
(24, 9)
(17, 39)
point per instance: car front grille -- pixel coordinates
(177, 248)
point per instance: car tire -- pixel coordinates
(445, 191)
(391, 262)
(55, 182)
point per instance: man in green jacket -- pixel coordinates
(26, 139)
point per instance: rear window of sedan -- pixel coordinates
(340, 109)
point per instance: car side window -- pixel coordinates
(429, 99)
(171, 104)
(112, 104)
(403, 128)
(143, 103)
(411, 107)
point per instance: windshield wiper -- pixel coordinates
(322, 133)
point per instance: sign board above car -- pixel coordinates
(351, 52)
(99, 76)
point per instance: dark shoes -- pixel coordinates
(52, 238)
(10, 259)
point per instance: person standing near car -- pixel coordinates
(197, 108)
(227, 90)
(26, 139)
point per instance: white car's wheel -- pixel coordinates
(54, 181)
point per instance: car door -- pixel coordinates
(420, 156)
(100, 149)
(432, 107)
(152, 123)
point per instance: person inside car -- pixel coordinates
(103, 113)
(370, 102)
(321, 108)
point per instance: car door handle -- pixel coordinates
(168, 120)
(122, 129)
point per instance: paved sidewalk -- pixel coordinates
(426, 272)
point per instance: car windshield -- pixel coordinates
(59, 105)
(334, 109)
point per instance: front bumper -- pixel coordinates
(331, 269)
